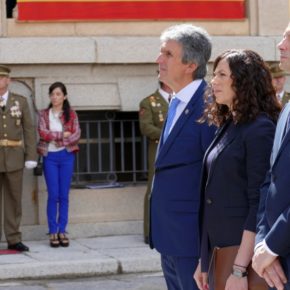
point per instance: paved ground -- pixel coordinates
(136, 281)
(85, 257)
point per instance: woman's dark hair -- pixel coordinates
(252, 84)
(66, 104)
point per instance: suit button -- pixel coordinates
(5, 135)
(208, 201)
(4, 117)
(4, 126)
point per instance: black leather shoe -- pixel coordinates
(18, 247)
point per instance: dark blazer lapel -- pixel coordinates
(188, 111)
(227, 139)
(203, 169)
(219, 132)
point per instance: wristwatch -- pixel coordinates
(239, 273)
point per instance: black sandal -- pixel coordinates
(63, 240)
(53, 240)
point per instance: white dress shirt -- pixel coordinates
(5, 98)
(184, 96)
(55, 125)
(280, 95)
(164, 94)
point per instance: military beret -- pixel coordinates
(276, 71)
(4, 70)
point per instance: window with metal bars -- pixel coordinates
(112, 149)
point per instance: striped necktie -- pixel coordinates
(170, 116)
(279, 133)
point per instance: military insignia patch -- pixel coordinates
(15, 110)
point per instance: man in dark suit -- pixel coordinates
(273, 230)
(174, 217)
(17, 149)
(278, 81)
(152, 114)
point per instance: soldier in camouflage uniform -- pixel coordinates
(17, 149)
(278, 80)
(152, 113)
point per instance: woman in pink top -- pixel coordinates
(59, 133)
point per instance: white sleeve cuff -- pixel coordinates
(269, 251)
(258, 246)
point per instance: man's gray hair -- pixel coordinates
(196, 45)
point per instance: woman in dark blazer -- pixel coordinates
(243, 105)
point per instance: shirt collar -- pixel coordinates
(164, 94)
(281, 95)
(187, 92)
(5, 96)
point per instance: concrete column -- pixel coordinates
(273, 17)
(252, 14)
(3, 20)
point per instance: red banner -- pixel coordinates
(46, 10)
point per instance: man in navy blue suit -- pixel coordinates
(174, 216)
(273, 231)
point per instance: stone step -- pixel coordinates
(83, 258)
(86, 230)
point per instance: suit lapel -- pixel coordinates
(188, 111)
(283, 145)
(225, 136)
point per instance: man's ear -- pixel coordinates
(191, 68)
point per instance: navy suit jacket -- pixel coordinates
(231, 189)
(274, 210)
(175, 194)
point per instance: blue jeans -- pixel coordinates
(58, 169)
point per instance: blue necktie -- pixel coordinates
(170, 116)
(280, 130)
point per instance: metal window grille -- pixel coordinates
(112, 149)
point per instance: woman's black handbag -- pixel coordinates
(37, 171)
